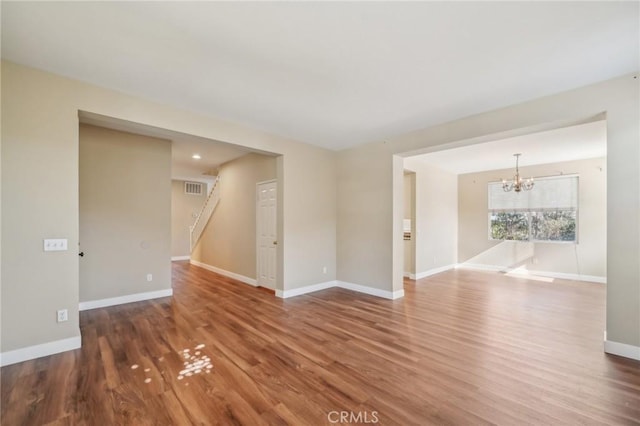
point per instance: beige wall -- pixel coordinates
(229, 239)
(1, 118)
(310, 186)
(370, 176)
(586, 258)
(409, 213)
(125, 213)
(184, 210)
(40, 153)
(436, 217)
(365, 219)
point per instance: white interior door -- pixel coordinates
(267, 234)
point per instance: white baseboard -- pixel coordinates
(573, 277)
(175, 258)
(284, 294)
(340, 284)
(433, 271)
(112, 301)
(386, 294)
(407, 275)
(481, 267)
(622, 349)
(525, 272)
(37, 351)
(238, 277)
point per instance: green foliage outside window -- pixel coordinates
(557, 225)
(553, 225)
(509, 226)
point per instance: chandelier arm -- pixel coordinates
(518, 183)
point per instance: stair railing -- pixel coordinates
(201, 221)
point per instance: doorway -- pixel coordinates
(124, 217)
(266, 233)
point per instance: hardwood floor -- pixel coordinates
(462, 348)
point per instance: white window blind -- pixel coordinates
(549, 193)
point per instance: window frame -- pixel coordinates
(528, 213)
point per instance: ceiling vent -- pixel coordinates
(193, 188)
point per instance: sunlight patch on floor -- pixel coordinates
(523, 273)
(195, 363)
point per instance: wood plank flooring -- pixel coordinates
(461, 348)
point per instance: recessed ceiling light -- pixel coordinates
(196, 156)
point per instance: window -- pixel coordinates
(559, 225)
(546, 213)
(509, 226)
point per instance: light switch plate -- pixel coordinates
(55, 244)
(63, 315)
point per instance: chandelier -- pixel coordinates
(518, 183)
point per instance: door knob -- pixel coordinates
(275, 243)
(81, 254)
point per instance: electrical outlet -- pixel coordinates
(63, 315)
(149, 277)
(324, 269)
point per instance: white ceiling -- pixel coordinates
(183, 147)
(554, 146)
(335, 74)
